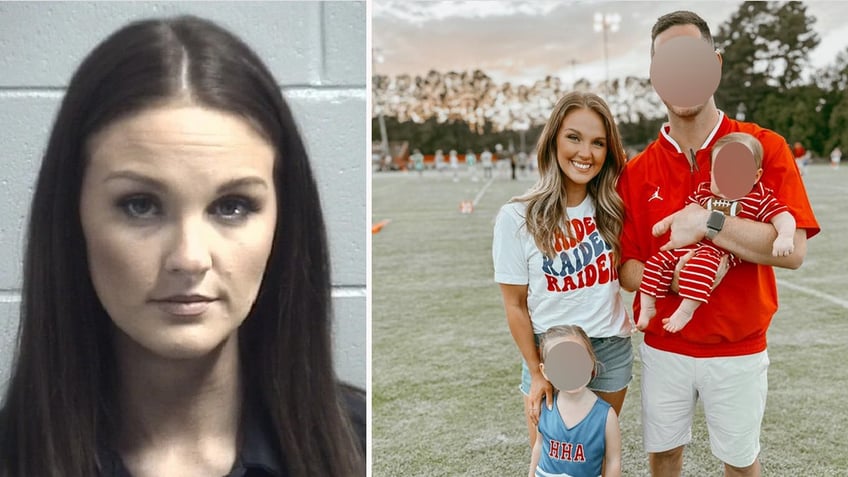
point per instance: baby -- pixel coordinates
(698, 274)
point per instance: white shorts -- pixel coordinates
(733, 390)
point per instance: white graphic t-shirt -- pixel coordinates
(579, 286)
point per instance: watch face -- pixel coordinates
(716, 220)
(714, 223)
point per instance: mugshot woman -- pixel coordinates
(556, 249)
(176, 309)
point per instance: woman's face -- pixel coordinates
(581, 146)
(178, 210)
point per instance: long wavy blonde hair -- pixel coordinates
(546, 200)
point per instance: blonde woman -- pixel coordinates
(556, 250)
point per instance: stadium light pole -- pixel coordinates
(573, 71)
(606, 22)
(377, 57)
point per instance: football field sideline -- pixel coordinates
(445, 370)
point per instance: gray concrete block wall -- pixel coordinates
(316, 51)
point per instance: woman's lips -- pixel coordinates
(185, 306)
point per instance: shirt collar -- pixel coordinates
(258, 450)
(666, 126)
(256, 458)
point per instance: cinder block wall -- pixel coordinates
(316, 50)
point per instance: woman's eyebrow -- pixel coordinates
(136, 177)
(247, 181)
(603, 138)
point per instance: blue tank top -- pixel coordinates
(572, 452)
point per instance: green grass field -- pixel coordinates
(445, 370)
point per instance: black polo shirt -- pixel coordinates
(258, 456)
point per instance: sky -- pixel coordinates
(524, 41)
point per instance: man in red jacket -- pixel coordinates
(802, 157)
(720, 356)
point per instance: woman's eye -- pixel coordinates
(139, 207)
(234, 208)
(573, 137)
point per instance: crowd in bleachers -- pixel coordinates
(475, 98)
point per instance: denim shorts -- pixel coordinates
(615, 365)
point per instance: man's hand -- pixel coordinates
(723, 268)
(675, 280)
(688, 225)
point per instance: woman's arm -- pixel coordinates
(612, 456)
(518, 319)
(630, 275)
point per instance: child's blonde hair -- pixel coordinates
(563, 331)
(748, 140)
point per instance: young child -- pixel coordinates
(579, 436)
(698, 274)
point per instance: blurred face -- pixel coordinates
(569, 364)
(714, 183)
(581, 148)
(673, 32)
(178, 210)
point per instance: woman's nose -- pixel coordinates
(188, 251)
(585, 149)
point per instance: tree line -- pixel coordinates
(765, 49)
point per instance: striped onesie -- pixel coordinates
(699, 273)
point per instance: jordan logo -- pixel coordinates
(656, 195)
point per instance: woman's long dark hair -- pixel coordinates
(62, 389)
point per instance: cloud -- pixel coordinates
(423, 12)
(525, 41)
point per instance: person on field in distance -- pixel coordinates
(835, 157)
(726, 339)
(486, 160)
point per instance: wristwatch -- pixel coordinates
(714, 224)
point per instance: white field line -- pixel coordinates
(482, 192)
(815, 293)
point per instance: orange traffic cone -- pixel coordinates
(379, 226)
